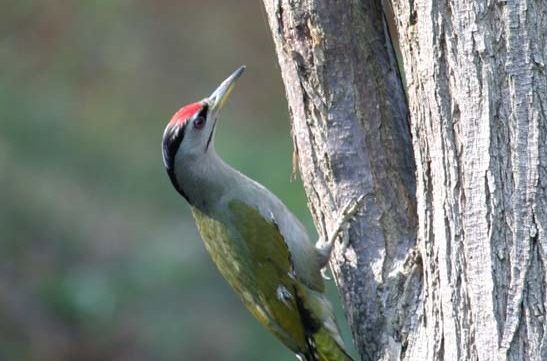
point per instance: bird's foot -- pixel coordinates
(325, 273)
(341, 230)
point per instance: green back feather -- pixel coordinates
(254, 258)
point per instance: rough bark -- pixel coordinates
(351, 137)
(470, 283)
(477, 97)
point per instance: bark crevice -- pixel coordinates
(351, 132)
(456, 272)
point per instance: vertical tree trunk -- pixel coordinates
(470, 282)
(351, 137)
(477, 96)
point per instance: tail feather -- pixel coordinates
(327, 348)
(323, 347)
(323, 340)
(311, 354)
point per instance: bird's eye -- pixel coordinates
(199, 122)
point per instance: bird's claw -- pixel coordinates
(344, 237)
(325, 274)
(342, 225)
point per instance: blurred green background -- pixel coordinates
(100, 259)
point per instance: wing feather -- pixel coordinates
(257, 261)
(274, 274)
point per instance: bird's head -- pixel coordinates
(188, 137)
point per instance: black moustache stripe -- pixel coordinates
(211, 135)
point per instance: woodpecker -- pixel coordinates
(258, 245)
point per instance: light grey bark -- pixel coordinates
(351, 137)
(470, 283)
(477, 97)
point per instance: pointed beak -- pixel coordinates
(222, 93)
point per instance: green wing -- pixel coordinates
(254, 258)
(276, 284)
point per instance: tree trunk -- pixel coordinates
(477, 98)
(459, 274)
(351, 137)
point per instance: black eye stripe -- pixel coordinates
(202, 113)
